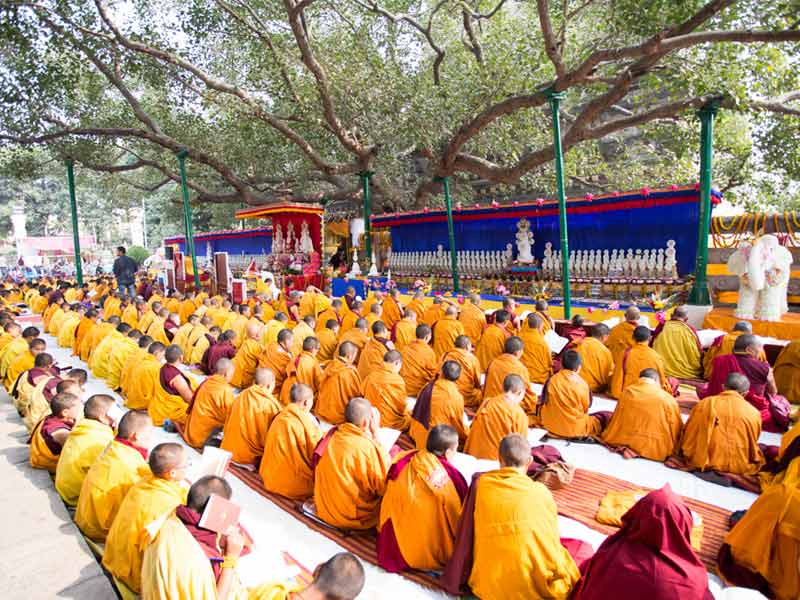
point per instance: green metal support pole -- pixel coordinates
(365, 177)
(73, 206)
(555, 98)
(699, 294)
(187, 217)
(451, 233)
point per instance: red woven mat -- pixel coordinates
(581, 499)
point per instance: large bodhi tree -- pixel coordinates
(293, 98)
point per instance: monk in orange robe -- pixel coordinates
(419, 362)
(596, 358)
(434, 312)
(355, 313)
(247, 357)
(439, 403)
(786, 370)
(209, 409)
(537, 356)
(386, 390)
(392, 309)
(405, 330)
(621, 336)
(636, 359)
(303, 368)
(680, 348)
(140, 374)
(334, 311)
(509, 362)
(724, 345)
(423, 487)
(565, 402)
(493, 339)
(371, 357)
(469, 383)
(762, 549)
(48, 436)
(328, 340)
(358, 335)
(350, 477)
(289, 447)
(374, 315)
(277, 356)
(341, 577)
(304, 329)
(647, 419)
(340, 383)
(473, 319)
(417, 304)
(251, 415)
(87, 323)
(446, 330)
(496, 418)
(173, 390)
(510, 523)
(722, 431)
(547, 320)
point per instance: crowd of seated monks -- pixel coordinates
(354, 365)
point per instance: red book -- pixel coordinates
(220, 514)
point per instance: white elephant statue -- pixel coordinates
(764, 269)
(748, 297)
(769, 269)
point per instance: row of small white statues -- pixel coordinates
(291, 244)
(638, 264)
(469, 261)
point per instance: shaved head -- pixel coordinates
(681, 312)
(300, 393)
(78, 376)
(462, 342)
(441, 439)
(203, 488)
(253, 330)
(737, 382)
(451, 311)
(63, 401)
(358, 411)
(513, 383)
(513, 345)
(223, 366)
(451, 370)
(165, 457)
(745, 341)
(97, 406)
(264, 377)
(379, 328)
(515, 451)
(632, 314)
(743, 326)
(392, 356)
(641, 334)
(348, 349)
(132, 422)
(650, 374)
(340, 578)
(310, 344)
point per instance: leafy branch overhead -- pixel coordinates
(293, 99)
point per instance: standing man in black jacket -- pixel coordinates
(125, 271)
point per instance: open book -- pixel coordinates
(213, 461)
(612, 322)
(467, 465)
(555, 342)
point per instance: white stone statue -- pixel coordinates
(508, 255)
(373, 269)
(355, 270)
(524, 242)
(306, 245)
(764, 270)
(277, 240)
(289, 245)
(671, 260)
(660, 263)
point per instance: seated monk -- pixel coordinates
(14, 350)
(277, 356)
(278, 323)
(304, 368)
(246, 358)
(210, 406)
(340, 382)
(677, 343)
(565, 402)
(143, 379)
(497, 417)
(25, 361)
(507, 363)
(358, 335)
(341, 577)
(417, 304)
(419, 362)
(724, 345)
(334, 312)
(223, 347)
(85, 443)
(85, 326)
(101, 356)
(182, 334)
(647, 419)
(547, 320)
(355, 313)
(374, 314)
(510, 524)
(422, 487)
(48, 437)
(386, 390)
(43, 369)
(136, 358)
(439, 403)
(722, 432)
(446, 330)
(198, 338)
(432, 314)
(46, 388)
(575, 330)
(513, 325)
(201, 345)
(473, 318)
(173, 391)
(289, 447)
(328, 340)
(651, 556)
(251, 415)
(111, 475)
(469, 383)
(150, 498)
(304, 329)
(763, 391)
(536, 355)
(786, 368)
(405, 330)
(636, 359)
(371, 357)
(761, 551)
(186, 560)
(620, 338)
(119, 357)
(350, 477)
(493, 339)
(392, 309)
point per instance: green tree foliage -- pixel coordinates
(138, 253)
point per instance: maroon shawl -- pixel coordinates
(214, 352)
(49, 389)
(651, 556)
(130, 444)
(422, 409)
(47, 427)
(167, 374)
(36, 372)
(321, 447)
(205, 537)
(389, 556)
